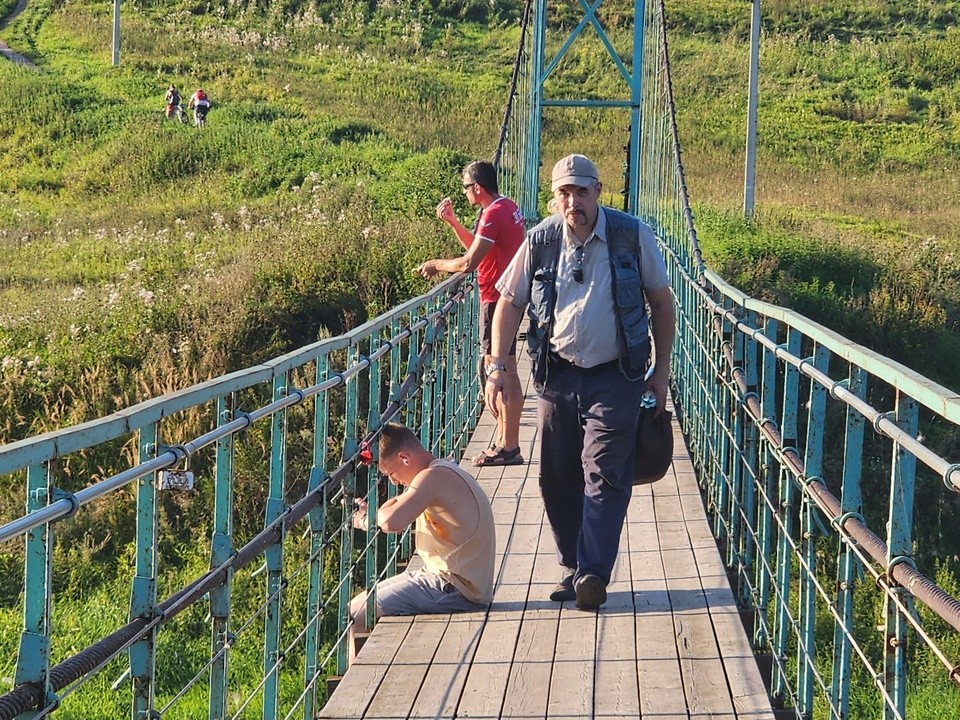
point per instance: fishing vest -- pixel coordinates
(623, 244)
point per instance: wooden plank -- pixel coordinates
(406, 674)
(658, 660)
(360, 684)
(487, 679)
(616, 686)
(529, 682)
(571, 684)
(748, 693)
(440, 693)
(704, 678)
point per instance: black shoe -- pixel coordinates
(591, 592)
(563, 592)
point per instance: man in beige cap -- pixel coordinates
(583, 275)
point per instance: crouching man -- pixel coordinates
(454, 534)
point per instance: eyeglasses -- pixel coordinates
(468, 185)
(578, 264)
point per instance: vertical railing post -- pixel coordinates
(813, 469)
(768, 478)
(413, 413)
(273, 620)
(143, 596)
(791, 399)
(396, 381)
(713, 403)
(318, 527)
(636, 107)
(724, 423)
(372, 560)
(737, 415)
(782, 629)
(410, 408)
(899, 550)
(221, 548)
(748, 487)
(448, 374)
(848, 565)
(428, 375)
(351, 444)
(33, 656)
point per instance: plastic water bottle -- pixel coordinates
(648, 400)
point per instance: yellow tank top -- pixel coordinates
(468, 567)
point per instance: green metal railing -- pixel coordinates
(816, 519)
(414, 364)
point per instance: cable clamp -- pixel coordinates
(948, 477)
(811, 479)
(243, 415)
(839, 521)
(880, 417)
(297, 393)
(60, 494)
(179, 451)
(955, 674)
(898, 560)
(838, 385)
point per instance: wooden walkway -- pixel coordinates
(668, 643)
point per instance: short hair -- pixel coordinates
(395, 438)
(484, 174)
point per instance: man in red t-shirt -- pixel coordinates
(489, 249)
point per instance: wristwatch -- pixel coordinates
(494, 366)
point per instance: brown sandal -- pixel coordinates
(500, 457)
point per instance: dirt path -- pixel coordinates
(4, 48)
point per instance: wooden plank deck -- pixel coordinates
(668, 644)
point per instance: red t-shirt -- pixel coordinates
(501, 224)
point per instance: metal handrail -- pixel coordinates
(740, 365)
(434, 325)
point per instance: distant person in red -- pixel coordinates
(200, 105)
(489, 250)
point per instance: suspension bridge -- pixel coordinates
(759, 579)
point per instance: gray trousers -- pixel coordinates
(588, 427)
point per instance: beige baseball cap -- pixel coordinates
(576, 170)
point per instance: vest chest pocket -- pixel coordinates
(630, 306)
(628, 283)
(543, 292)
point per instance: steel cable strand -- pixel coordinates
(899, 574)
(699, 264)
(947, 607)
(512, 92)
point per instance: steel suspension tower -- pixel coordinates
(552, 42)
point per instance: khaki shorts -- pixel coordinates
(420, 592)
